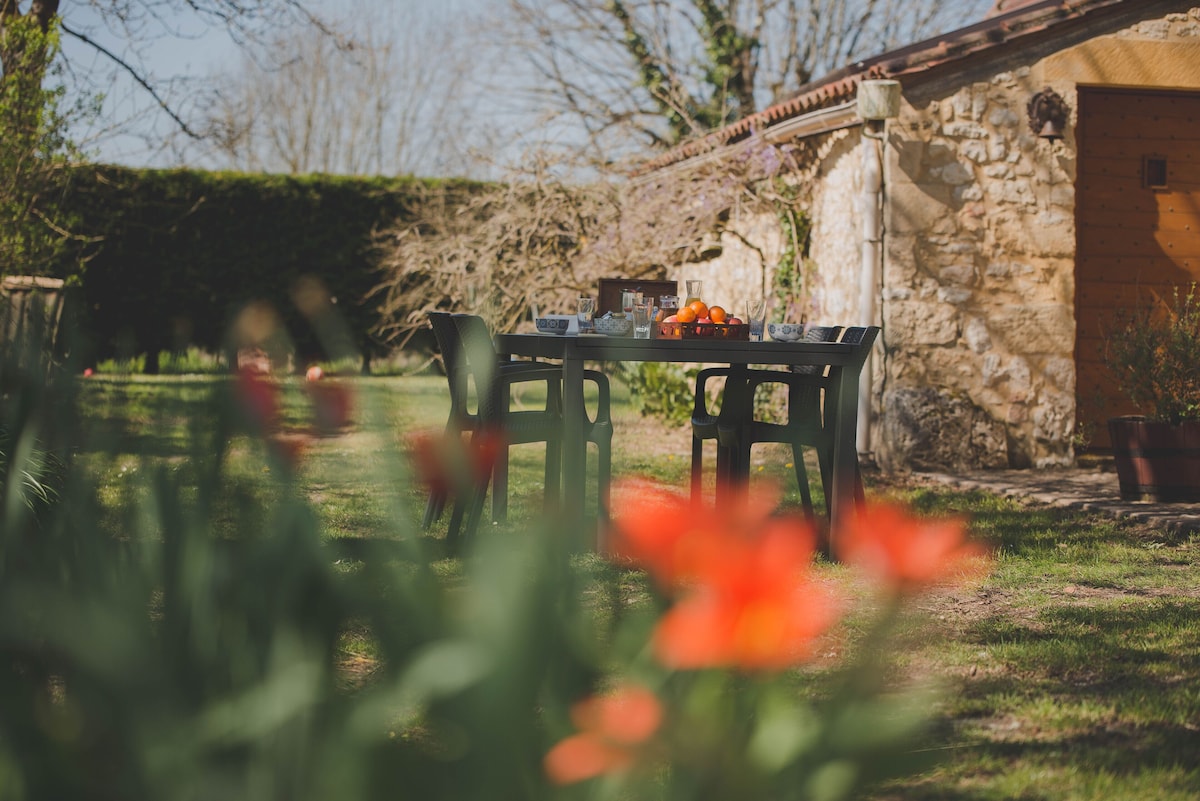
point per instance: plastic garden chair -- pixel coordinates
(808, 392)
(480, 404)
(736, 405)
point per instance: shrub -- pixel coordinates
(660, 389)
(1155, 355)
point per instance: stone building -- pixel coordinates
(992, 248)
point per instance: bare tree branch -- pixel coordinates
(535, 238)
(661, 71)
(136, 75)
(372, 102)
(121, 32)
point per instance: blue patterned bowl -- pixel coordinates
(613, 326)
(786, 332)
(552, 325)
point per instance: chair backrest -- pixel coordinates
(818, 333)
(479, 362)
(445, 332)
(864, 336)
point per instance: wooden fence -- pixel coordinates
(31, 309)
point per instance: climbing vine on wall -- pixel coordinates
(792, 281)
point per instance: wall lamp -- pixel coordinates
(879, 100)
(1048, 114)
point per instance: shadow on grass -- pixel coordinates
(1087, 693)
(1021, 529)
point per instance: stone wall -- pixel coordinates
(746, 266)
(837, 231)
(978, 283)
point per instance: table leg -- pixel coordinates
(845, 450)
(574, 444)
(733, 464)
(500, 474)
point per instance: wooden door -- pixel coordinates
(1137, 225)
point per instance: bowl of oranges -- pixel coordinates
(698, 319)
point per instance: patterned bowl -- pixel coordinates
(786, 332)
(613, 326)
(552, 325)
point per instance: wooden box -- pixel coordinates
(610, 289)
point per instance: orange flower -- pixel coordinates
(757, 609)
(907, 552)
(443, 462)
(673, 538)
(258, 398)
(746, 597)
(610, 728)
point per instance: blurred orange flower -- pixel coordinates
(258, 398)
(674, 538)
(289, 448)
(907, 552)
(610, 728)
(746, 598)
(443, 462)
(333, 405)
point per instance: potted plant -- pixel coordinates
(1155, 356)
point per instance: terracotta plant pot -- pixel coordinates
(1156, 461)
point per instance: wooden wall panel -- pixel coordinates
(1132, 241)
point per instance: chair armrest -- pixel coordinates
(532, 365)
(757, 378)
(700, 407)
(604, 396)
(804, 390)
(509, 374)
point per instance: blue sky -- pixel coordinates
(180, 63)
(195, 57)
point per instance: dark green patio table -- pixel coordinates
(841, 401)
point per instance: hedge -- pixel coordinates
(165, 258)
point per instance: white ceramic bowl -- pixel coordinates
(613, 326)
(552, 325)
(785, 332)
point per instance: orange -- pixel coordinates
(699, 307)
(717, 314)
(686, 314)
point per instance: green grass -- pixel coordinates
(1072, 672)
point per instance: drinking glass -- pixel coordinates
(585, 311)
(756, 309)
(643, 316)
(668, 305)
(628, 298)
(694, 289)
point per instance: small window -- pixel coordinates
(1154, 172)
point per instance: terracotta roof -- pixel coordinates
(1005, 6)
(1025, 18)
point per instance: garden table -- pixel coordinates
(841, 402)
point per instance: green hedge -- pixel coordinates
(169, 256)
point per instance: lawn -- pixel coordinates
(1071, 672)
